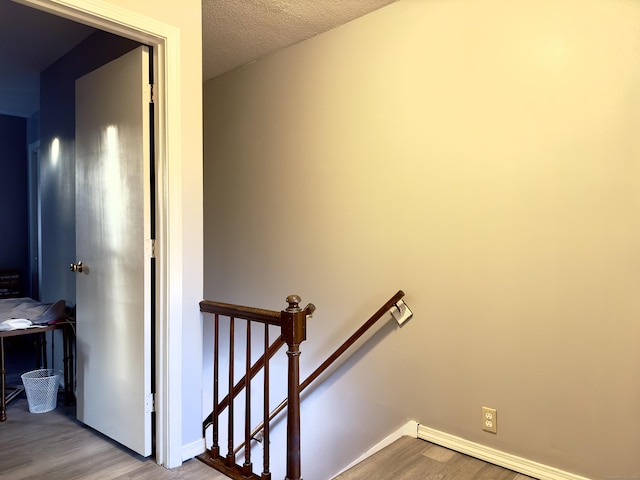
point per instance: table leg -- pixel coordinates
(3, 401)
(40, 342)
(69, 398)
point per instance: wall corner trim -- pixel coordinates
(193, 449)
(497, 457)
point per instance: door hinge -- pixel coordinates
(150, 93)
(150, 248)
(150, 403)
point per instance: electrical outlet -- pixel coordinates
(489, 420)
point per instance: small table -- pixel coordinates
(67, 341)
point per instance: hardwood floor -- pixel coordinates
(412, 459)
(55, 446)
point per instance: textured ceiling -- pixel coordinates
(235, 32)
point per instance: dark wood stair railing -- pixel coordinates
(292, 323)
(293, 327)
(333, 357)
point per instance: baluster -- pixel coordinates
(231, 460)
(215, 448)
(247, 468)
(266, 475)
(292, 321)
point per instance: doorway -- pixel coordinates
(164, 40)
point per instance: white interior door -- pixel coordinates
(113, 290)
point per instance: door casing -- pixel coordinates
(165, 40)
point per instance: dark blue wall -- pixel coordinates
(33, 128)
(14, 200)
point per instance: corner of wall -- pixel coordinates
(193, 449)
(409, 429)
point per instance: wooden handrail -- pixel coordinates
(334, 356)
(239, 311)
(270, 317)
(255, 368)
(352, 339)
(292, 323)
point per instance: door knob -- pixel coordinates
(76, 267)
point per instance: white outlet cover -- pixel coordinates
(489, 420)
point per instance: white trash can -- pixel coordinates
(41, 387)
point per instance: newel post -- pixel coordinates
(294, 332)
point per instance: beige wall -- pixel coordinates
(484, 158)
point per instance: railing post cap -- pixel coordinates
(294, 303)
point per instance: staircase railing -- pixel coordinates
(292, 323)
(293, 332)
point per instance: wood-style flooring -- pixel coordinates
(55, 446)
(414, 459)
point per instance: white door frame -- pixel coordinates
(165, 40)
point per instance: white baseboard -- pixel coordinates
(409, 429)
(491, 455)
(193, 449)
